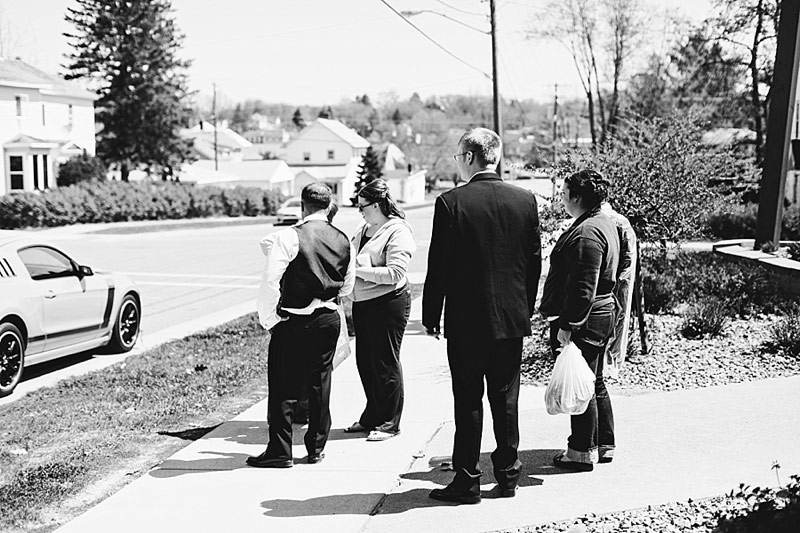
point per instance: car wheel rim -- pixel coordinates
(10, 358)
(128, 323)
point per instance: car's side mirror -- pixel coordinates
(84, 271)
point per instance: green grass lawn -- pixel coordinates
(65, 448)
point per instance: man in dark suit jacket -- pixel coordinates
(483, 267)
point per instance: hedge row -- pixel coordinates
(739, 222)
(115, 201)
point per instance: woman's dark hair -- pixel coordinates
(377, 192)
(590, 186)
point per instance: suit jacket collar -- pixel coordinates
(484, 175)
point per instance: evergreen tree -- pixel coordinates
(298, 119)
(397, 118)
(326, 112)
(368, 171)
(129, 52)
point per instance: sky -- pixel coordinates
(319, 52)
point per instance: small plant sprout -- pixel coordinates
(777, 468)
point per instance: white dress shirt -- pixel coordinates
(281, 248)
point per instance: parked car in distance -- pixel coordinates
(53, 306)
(289, 212)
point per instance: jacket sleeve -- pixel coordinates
(399, 248)
(534, 264)
(584, 260)
(434, 292)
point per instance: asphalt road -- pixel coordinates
(185, 274)
(191, 279)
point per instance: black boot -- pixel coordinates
(507, 479)
(465, 488)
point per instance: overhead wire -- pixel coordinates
(431, 39)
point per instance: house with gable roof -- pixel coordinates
(44, 120)
(327, 151)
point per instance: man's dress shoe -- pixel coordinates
(265, 461)
(465, 488)
(314, 458)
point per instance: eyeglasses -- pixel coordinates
(362, 206)
(462, 154)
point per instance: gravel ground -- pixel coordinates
(692, 516)
(674, 363)
(677, 363)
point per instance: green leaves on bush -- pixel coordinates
(677, 277)
(785, 334)
(765, 510)
(704, 318)
(114, 201)
(80, 168)
(739, 222)
(659, 171)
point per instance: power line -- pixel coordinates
(448, 52)
(445, 4)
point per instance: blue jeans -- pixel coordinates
(593, 430)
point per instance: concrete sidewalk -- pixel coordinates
(671, 447)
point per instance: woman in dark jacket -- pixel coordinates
(578, 300)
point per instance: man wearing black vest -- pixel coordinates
(309, 267)
(484, 264)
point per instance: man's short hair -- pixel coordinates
(316, 197)
(484, 144)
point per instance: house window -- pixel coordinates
(70, 114)
(18, 101)
(36, 173)
(330, 155)
(45, 173)
(16, 172)
(306, 156)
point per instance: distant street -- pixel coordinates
(184, 274)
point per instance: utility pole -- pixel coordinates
(555, 142)
(214, 118)
(498, 128)
(779, 127)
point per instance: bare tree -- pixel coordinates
(751, 26)
(589, 28)
(625, 23)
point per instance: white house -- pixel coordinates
(268, 174)
(230, 146)
(327, 151)
(44, 120)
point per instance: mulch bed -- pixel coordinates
(675, 362)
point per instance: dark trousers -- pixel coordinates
(379, 325)
(472, 360)
(594, 427)
(301, 357)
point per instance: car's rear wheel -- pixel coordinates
(12, 357)
(126, 327)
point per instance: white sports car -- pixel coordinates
(52, 306)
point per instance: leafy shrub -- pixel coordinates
(704, 318)
(659, 171)
(738, 221)
(794, 251)
(735, 222)
(114, 201)
(765, 510)
(785, 334)
(80, 168)
(681, 276)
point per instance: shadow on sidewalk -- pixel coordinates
(535, 463)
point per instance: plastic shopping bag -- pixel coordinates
(571, 386)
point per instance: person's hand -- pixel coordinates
(564, 336)
(433, 332)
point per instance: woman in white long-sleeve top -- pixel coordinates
(384, 245)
